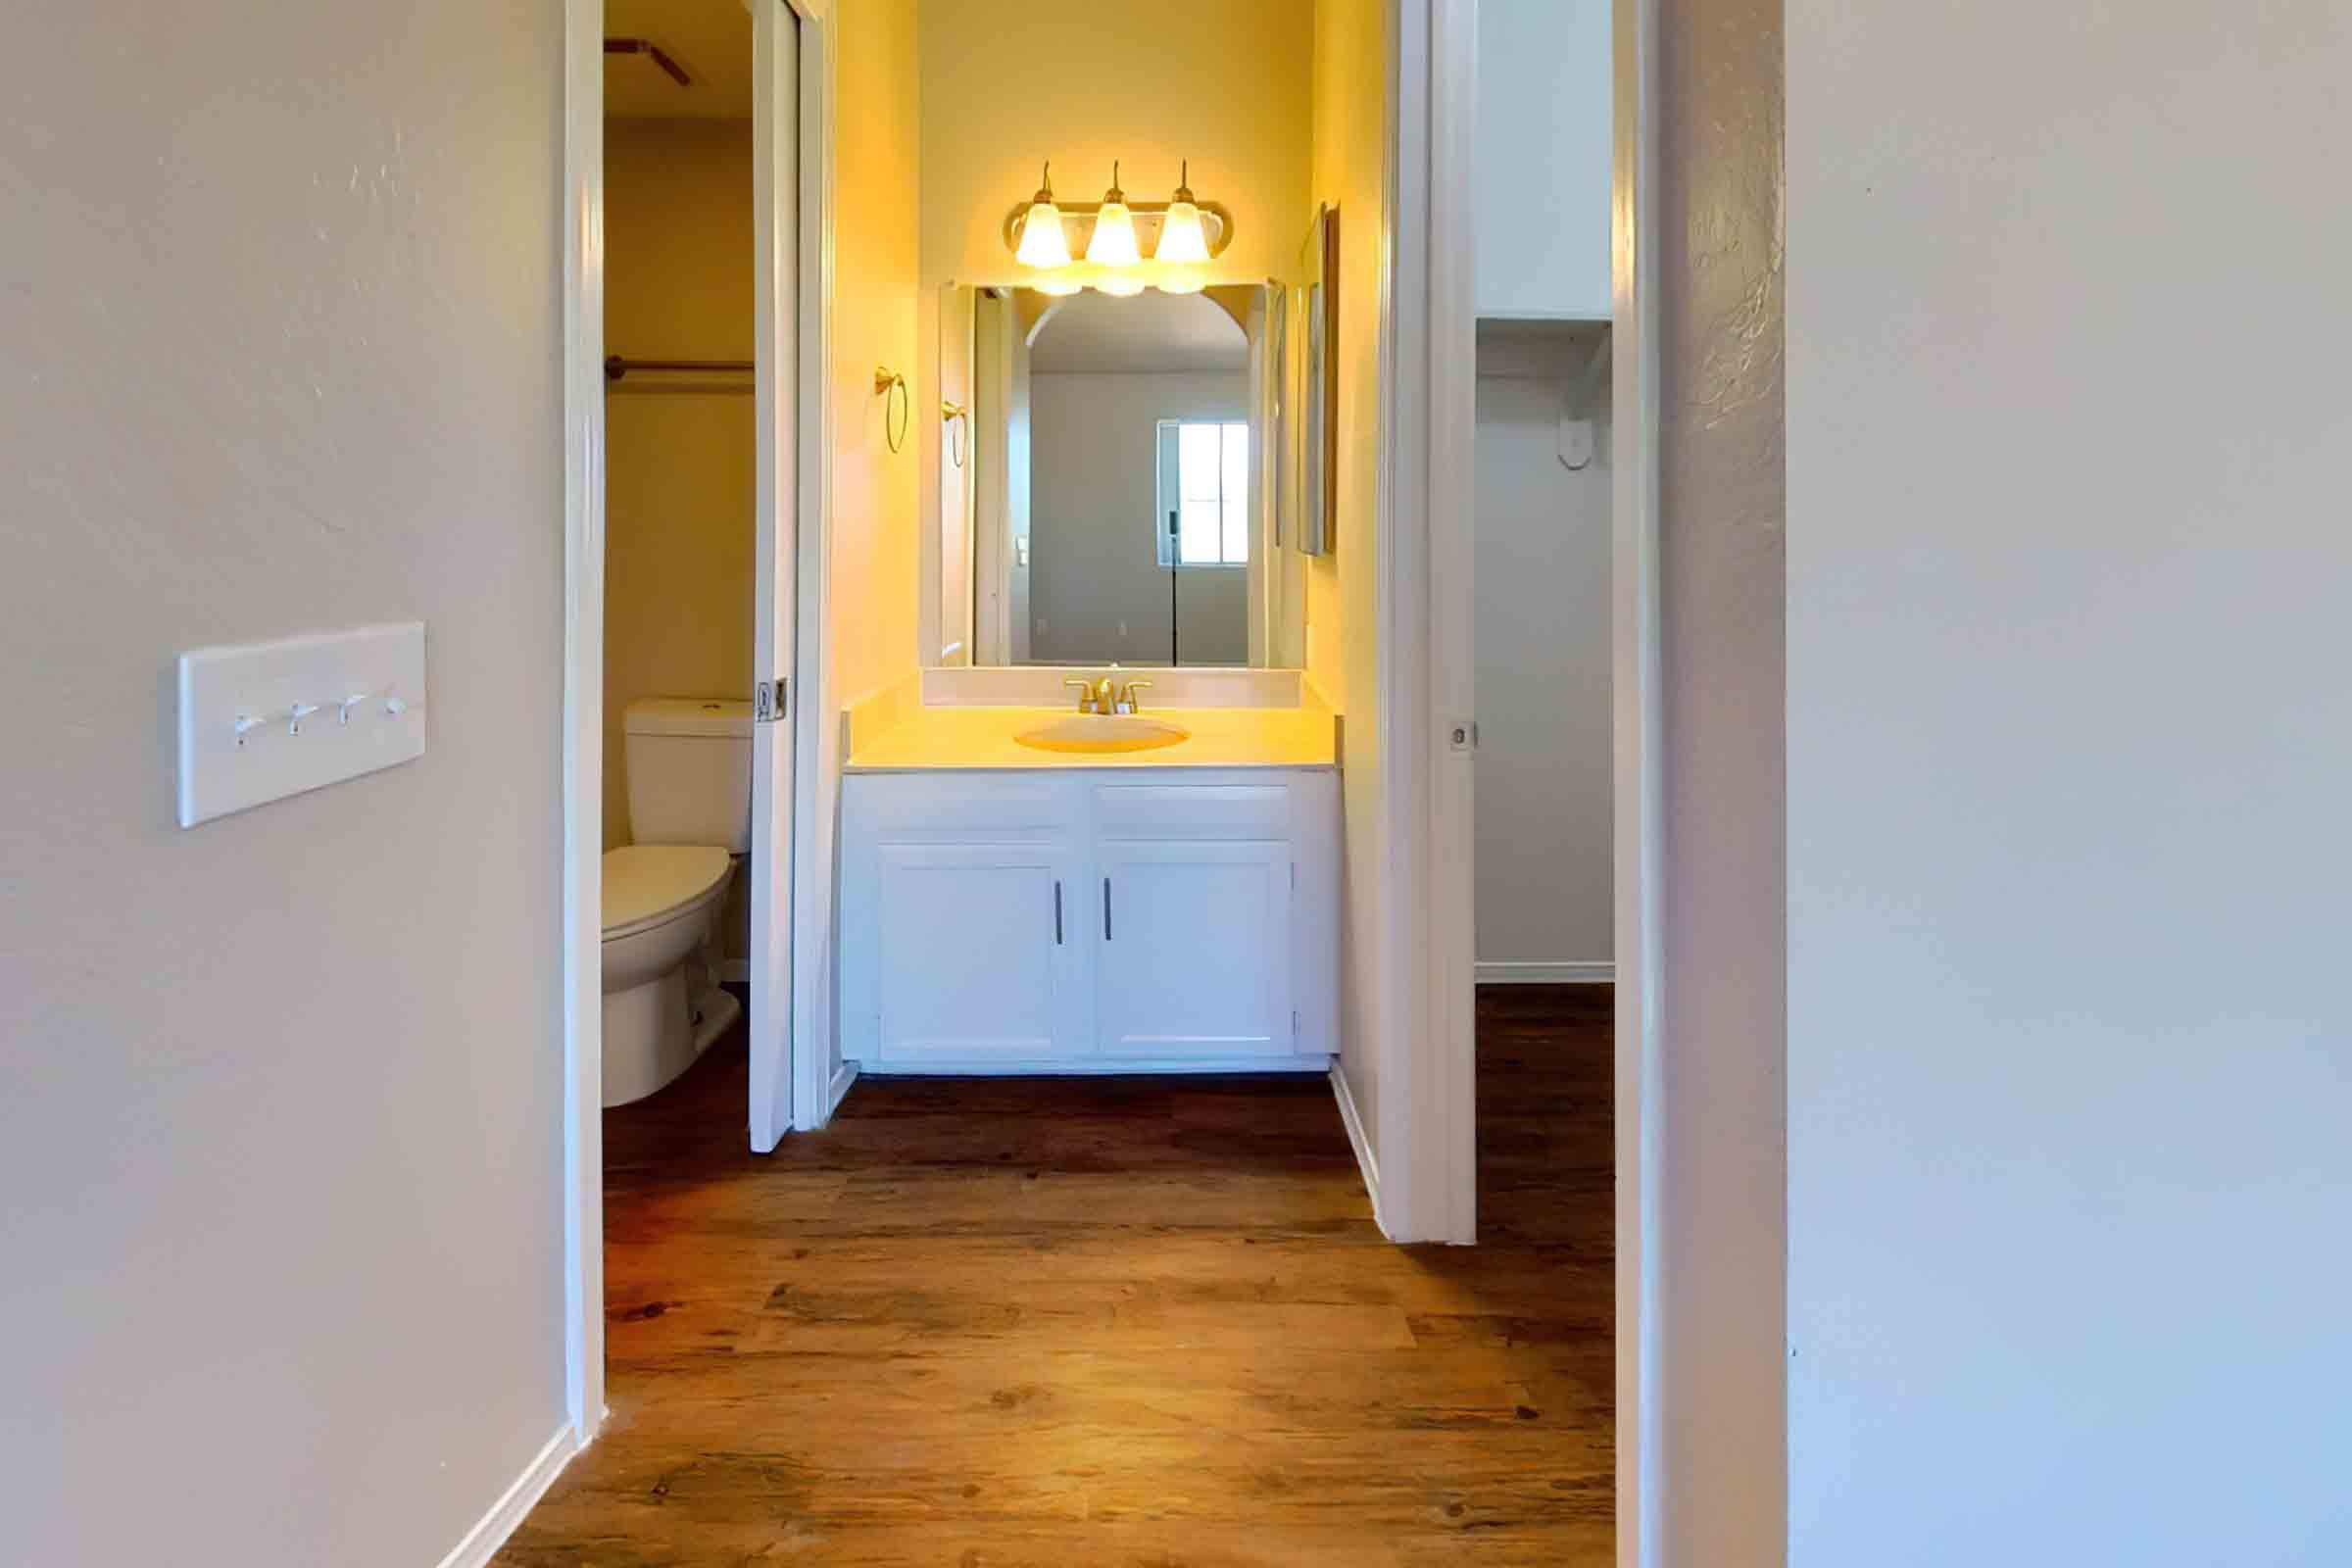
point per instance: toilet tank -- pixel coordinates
(689, 762)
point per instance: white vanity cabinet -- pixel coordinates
(1089, 921)
(982, 929)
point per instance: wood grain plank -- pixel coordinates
(1102, 1321)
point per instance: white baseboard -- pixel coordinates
(1088, 1067)
(1365, 1159)
(843, 1076)
(1588, 973)
(490, 1532)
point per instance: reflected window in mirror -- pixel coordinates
(1203, 493)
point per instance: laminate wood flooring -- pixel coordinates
(1100, 1322)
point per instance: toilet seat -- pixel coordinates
(647, 885)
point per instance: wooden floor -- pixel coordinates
(1099, 1322)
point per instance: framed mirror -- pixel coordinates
(1112, 478)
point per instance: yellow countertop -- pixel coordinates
(983, 738)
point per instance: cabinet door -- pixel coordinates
(1196, 948)
(979, 953)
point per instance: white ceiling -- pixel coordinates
(711, 38)
(1098, 334)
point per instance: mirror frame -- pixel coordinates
(1319, 433)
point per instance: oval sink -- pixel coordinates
(1104, 732)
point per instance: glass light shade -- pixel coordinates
(1113, 244)
(1121, 285)
(1181, 279)
(1042, 242)
(1183, 239)
(1058, 284)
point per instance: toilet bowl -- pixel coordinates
(663, 1003)
(689, 767)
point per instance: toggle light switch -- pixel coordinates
(243, 739)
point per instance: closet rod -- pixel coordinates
(616, 366)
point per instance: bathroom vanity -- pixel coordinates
(1143, 878)
(1011, 910)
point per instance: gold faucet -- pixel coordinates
(1106, 696)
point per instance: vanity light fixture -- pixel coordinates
(1113, 242)
(1042, 242)
(1185, 235)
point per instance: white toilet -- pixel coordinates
(690, 812)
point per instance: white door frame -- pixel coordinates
(818, 1080)
(1428, 1154)
(817, 760)
(1426, 686)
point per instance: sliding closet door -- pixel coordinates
(776, 210)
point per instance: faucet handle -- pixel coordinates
(1129, 703)
(1086, 694)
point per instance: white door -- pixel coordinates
(776, 287)
(1196, 948)
(979, 953)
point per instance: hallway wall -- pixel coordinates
(1722, 901)
(280, 349)
(2069, 743)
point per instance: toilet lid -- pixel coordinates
(646, 882)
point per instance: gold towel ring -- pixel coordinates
(891, 387)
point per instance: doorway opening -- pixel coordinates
(681, 470)
(1335, 586)
(692, 201)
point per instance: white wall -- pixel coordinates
(1546, 760)
(1544, 148)
(1096, 590)
(2070, 747)
(281, 1140)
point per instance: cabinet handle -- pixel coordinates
(1106, 908)
(1058, 911)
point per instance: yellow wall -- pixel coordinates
(679, 465)
(1009, 84)
(1351, 90)
(877, 165)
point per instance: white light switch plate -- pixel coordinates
(260, 721)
